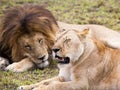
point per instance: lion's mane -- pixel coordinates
(22, 20)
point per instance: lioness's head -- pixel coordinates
(69, 46)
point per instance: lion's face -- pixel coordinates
(68, 47)
(35, 47)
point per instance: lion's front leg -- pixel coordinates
(20, 66)
(44, 82)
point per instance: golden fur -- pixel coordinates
(20, 24)
(91, 65)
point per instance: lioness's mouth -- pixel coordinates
(62, 60)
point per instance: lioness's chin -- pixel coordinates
(43, 65)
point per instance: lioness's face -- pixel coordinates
(68, 47)
(35, 47)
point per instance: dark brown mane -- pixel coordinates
(24, 20)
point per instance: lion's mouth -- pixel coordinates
(43, 64)
(62, 60)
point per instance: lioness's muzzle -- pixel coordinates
(62, 60)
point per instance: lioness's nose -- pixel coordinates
(41, 58)
(55, 50)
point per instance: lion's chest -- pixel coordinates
(65, 71)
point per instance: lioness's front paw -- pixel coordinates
(3, 63)
(15, 67)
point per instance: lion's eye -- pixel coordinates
(40, 41)
(28, 47)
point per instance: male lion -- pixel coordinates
(85, 63)
(26, 36)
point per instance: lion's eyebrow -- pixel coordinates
(26, 45)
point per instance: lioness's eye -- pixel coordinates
(28, 47)
(67, 40)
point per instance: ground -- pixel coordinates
(103, 12)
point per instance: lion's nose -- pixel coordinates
(56, 50)
(41, 58)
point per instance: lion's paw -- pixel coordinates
(15, 67)
(3, 63)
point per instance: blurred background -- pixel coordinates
(103, 12)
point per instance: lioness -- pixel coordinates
(85, 63)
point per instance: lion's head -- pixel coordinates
(28, 31)
(35, 46)
(70, 46)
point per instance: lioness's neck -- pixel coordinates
(89, 48)
(94, 60)
(94, 53)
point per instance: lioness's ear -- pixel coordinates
(83, 33)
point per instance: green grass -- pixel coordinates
(104, 12)
(10, 80)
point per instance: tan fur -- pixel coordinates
(107, 36)
(92, 66)
(26, 22)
